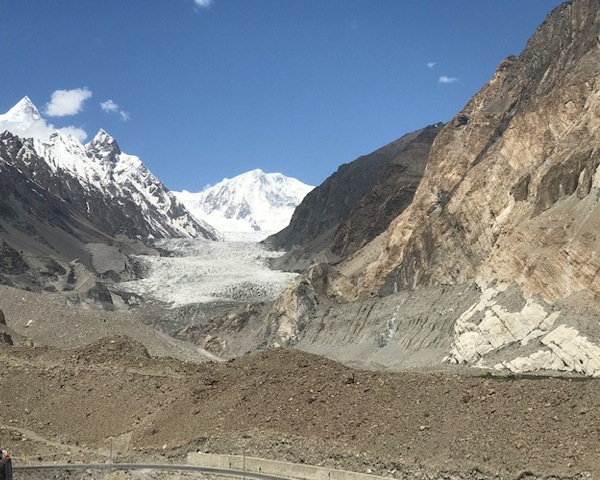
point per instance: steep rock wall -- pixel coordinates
(356, 203)
(511, 191)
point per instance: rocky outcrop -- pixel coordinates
(5, 333)
(356, 203)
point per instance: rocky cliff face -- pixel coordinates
(495, 262)
(356, 203)
(509, 200)
(511, 187)
(390, 196)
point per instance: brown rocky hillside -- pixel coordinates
(78, 404)
(356, 203)
(495, 262)
(510, 191)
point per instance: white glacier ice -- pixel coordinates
(201, 271)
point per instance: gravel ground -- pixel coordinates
(83, 403)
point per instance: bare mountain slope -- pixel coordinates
(510, 192)
(509, 200)
(356, 203)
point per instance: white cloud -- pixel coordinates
(431, 64)
(78, 133)
(67, 102)
(203, 3)
(445, 79)
(40, 129)
(111, 107)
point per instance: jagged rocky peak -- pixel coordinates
(103, 146)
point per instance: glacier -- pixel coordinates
(202, 271)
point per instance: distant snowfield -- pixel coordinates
(203, 271)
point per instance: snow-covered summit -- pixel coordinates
(24, 119)
(22, 115)
(251, 206)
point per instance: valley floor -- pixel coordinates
(76, 387)
(289, 405)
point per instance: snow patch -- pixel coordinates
(391, 327)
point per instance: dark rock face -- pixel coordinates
(11, 262)
(37, 220)
(6, 338)
(389, 197)
(357, 202)
(100, 294)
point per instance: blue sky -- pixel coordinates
(203, 90)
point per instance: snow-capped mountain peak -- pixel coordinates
(22, 115)
(252, 205)
(103, 146)
(112, 189)
(25, 120)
